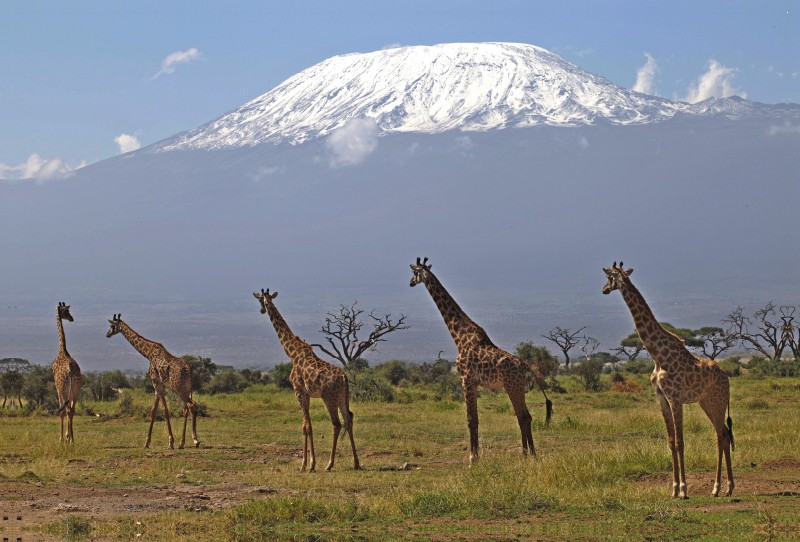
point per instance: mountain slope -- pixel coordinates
(471, 86)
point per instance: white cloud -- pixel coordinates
(771, 68)
(265, 171)
(169, 64)
(716, 82)
(391, 46)
(787, 128)
(583, 142)
(127, 143)
(39, 170)
(353, 142)
(645, 75)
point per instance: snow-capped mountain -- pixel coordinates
(467, 86)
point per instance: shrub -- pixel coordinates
(731, 367)
(39, 388)
(773, 367)
(588, 372)
(640, 366)
(280, 376)
(368, 388)
(393, 371)
(255, 377)
(538, 356)
(203, 370)
(627, 386)
(227, 382)
(756, 404)
(449, 388)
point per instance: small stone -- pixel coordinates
(405, 466)
(180, 475)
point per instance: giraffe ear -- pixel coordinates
(257, 295)
(629, 272)
(274, 295)
(608, 271)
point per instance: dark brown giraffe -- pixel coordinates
(679, 378)
(312, 377)
(166, 371)
(67, 376)
(481, 363)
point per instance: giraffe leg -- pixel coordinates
(677, 416)
(348, 426)
(516, 393)
(153, 413)
(63, 413)
(717, 417)
(471, 399)
(185, 419)
(666, 412)
(337, 428)
(71, 414)
(308, 435)
(193, 410)
(166, 418)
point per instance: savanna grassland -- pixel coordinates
(602, 472)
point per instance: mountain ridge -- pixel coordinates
(432, 89)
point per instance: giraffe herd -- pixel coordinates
(679, 377)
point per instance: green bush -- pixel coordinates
(280, 376)
(588, 372)
(731, 367)
(393, 371)
(449, 388)
(368, 388)
(228, 381)
(640, 366)
(759, 366)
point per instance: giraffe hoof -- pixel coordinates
(197, 444)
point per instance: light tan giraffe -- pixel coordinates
(67, 376)
(679, 378)
(166, 371)
(481, 363)
(312, 377)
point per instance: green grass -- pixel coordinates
(584, 482)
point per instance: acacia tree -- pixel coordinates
(715, 341)
(341, 331)
(565, 339)
(12, 378)
(630, 347)
(766, 334)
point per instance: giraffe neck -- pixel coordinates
(62, 340)
(290, 342)
(145, 347)
(463, 330)
(658, 341)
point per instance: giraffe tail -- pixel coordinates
(730, 427)
(547, 402)
(60, 410)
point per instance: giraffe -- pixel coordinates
(165, 371)
(312, 377)
(481, 363)
(67, 376)
(679, 378)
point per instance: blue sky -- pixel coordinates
(81, 80)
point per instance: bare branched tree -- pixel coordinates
(589, 346)
(787, 332)
(765, 338)
(341, 331)
(564, 339)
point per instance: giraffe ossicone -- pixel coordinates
(481, 363)
(312, 377)
(679, 377)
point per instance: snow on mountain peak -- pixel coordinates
(467, 86)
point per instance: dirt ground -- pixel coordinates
(25, 504)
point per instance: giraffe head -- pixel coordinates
(265, 298)
(63, 312)
(116, 325)
(615, 277)
(421, 272)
